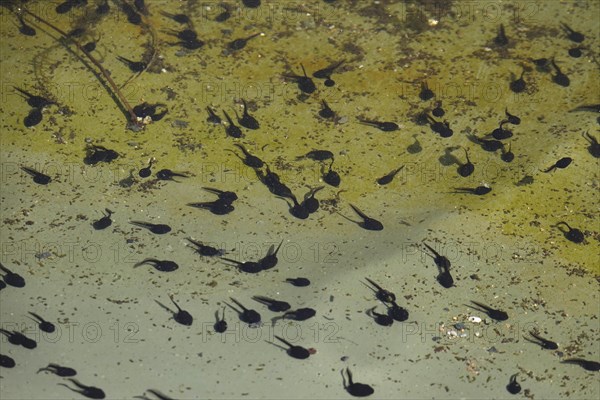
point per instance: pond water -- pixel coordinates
(509, 249)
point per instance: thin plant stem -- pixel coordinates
(135, 124)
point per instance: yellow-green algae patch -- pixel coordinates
(388, 55)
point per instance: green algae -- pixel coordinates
(503, 237)
(380, 79)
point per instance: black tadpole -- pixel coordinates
(232, 129)
(438, 111)
(145, 110)
(296, 209)
(479, 190)
(134, 66)
(594, 147)
(35, 101)
(561, 164)
(467, 168)
(205, 250)
(513, 386)
(325, 73)
(382, 294)
(96, 154)
(543, 343)
(90, 392)
(305, 84)
(294, 351)
(387, 178)
(575, 52)
(439, 260)
(317, 155)
(90, 46)
(310, 203)
(270, 260)
(246, 315)
(572, 35)
(247, 120)
(58, 370)
(181, 316)
(497, 315)
(24, 28)
(441, 128)
(217, 207)
(38, 177)
(7, 362)
(251, 3)
(33, 118)
(103, 222)
(11, 278)
(382, 126)
(500, 133)
(585, 364)
(272, 304)
(415, 147)
(491, 145)
(541, 64)
(179, 18)
(221, 325)
(331, 177)
(192, 44)
(518, 85)
(560, 78)
(168, 175)
(367, 223)
(133, 17)
(18, 339)
(380, 319)
(443, 263)
(397, 312)
(572, 234)
(300, 314)
(146, 171)
(298, 282)
(501, 39)
(512, 119)
(226, 196)
(159, 265)
(248, 159)
(103, 8)
(507, 155)
(225, 15)
(354, 388)
(158, 229)
(426, 93)
(213, 118)
(249, 267)
(326, 111)
(44, 325)
(240, 43)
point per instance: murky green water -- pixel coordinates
(504, 248)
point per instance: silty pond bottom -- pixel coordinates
(451, 148)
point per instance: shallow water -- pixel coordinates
(504, 248)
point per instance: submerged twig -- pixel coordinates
(135, 123)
